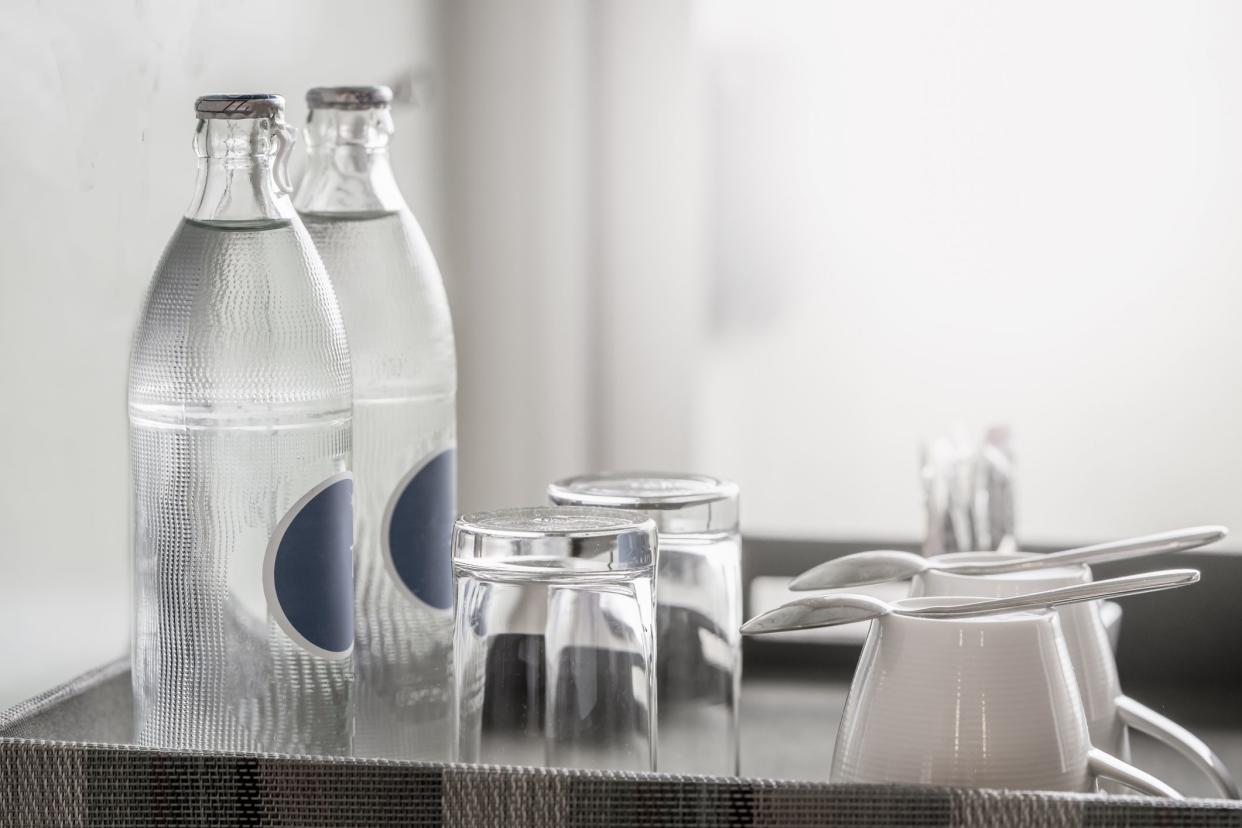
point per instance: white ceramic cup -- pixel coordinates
(988, 702)
(1108, 711)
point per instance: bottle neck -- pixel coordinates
(241, 171)
(348, 168)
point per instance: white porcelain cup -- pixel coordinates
(1108, 711)
(987, 702)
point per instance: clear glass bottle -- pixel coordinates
(405, 385)
(239, 413)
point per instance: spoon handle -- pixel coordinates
(1108, 588)
(1176, 540)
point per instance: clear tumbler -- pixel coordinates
(698, 607)
(554, 642)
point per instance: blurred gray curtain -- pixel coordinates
(572, 217)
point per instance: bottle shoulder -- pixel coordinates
(240, 313)
(378, 258)
(392, 299)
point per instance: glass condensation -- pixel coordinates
(239, 405)
(698, 608)
(554, 639)
(401, 340)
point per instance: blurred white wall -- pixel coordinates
(517, 106)
(97, 170)
(931, 214)
(573, 233)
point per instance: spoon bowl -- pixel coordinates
(816, 611)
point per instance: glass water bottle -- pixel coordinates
(239, 414)
(405, 383)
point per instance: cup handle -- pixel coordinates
(1145, 720)
(1104, 764)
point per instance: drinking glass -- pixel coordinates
(698, 607)
(554, 641)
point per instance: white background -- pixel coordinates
(931, 214)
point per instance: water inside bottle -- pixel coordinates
(239, 406)
(401, 341)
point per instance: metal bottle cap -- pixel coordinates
(236, 107)
(349, 97)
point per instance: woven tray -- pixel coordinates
(63, 762)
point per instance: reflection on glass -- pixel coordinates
(554, 638)
(698, 607)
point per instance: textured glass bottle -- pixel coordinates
(405, 382)
(239, 412)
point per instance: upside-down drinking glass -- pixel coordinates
(698, 607)
(554, 642)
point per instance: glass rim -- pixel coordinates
(555, 543)
(595, 490)
(523, 523)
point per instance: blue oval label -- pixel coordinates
(309, 569)
(418, 530)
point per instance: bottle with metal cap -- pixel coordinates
(240, 418)
(405, 383)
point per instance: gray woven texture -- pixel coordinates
(46, 780)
